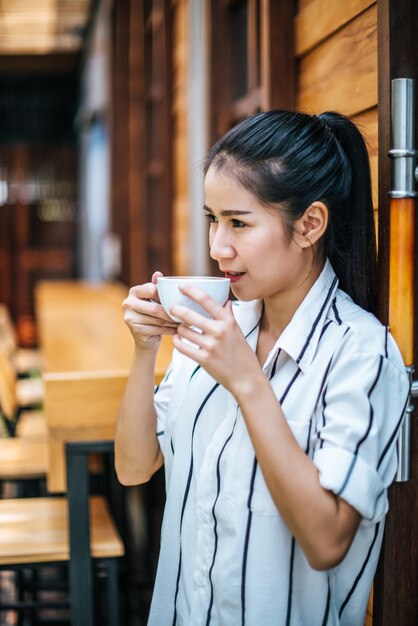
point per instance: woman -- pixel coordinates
(277, 423)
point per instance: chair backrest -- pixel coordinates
(8, 338)
(8, 400)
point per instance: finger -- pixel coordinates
(144, 306)
(187, 349)
(156, 275)
(191, 318)
(147, 320)
(204, 299)
(146, 291)
(169, 330)
(196, 337)
(146, 330)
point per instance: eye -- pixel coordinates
(211, 218)
(238, 224)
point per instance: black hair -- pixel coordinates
(294, 159)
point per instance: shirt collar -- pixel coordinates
(300, 337)
(248, 316)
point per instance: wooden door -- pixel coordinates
(396, 583)
(141, 137)
(346, 54)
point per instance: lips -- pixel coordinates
(233, 276)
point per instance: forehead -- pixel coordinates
(223, 190)
(224, 193)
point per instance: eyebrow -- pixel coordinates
(228, 213)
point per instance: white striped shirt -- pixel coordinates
(227, 558)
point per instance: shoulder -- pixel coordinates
(363, 334)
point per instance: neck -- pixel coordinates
(280, 308)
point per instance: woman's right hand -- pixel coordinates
(145, 317)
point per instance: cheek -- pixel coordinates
(211, 235)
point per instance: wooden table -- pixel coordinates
(87, 351)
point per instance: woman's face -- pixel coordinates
(249, 241)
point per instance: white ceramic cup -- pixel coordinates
(169, 293)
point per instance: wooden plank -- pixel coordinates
(341, 74)
(181, 223)
(81, 399)
(86, 365)
(302, 4)
(278, 69)
(34, 530)
(137, 211)
(321, 18)
(22, 457)
(396, 581)
(120, 132)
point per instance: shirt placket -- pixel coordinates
(206, 494)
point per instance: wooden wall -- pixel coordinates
(141, 146)
(336, 50)
(336, 55)
(181, 261)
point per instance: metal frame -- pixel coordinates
(81, 563)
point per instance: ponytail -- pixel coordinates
(294, 159)
(350, 241)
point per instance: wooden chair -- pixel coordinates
(24, 456)
(17, 396)
(77, 530)
(31, 424)
(24, 360)
(81, 565)
(28, 392)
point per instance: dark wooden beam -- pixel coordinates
(62, 63)
(278, 59)
(396, 583)
(120, 131)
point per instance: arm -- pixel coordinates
(322, 523)
(137, 452)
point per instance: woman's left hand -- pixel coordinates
(221, 348)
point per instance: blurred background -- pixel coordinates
(108, 106)
(107, 109)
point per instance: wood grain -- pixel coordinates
(23, 457)
(321, 18)
(181, 258)
(401, 275)
(87, 351)
(341, 74)
(34, 530)
(31, 424)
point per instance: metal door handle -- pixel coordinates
(404, 439)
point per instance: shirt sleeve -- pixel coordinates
(357, 422)
(163, 399)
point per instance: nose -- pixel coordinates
(220, 246)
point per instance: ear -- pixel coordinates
(313, 223)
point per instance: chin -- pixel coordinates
(242, 295)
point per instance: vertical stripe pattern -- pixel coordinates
(226, 555)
